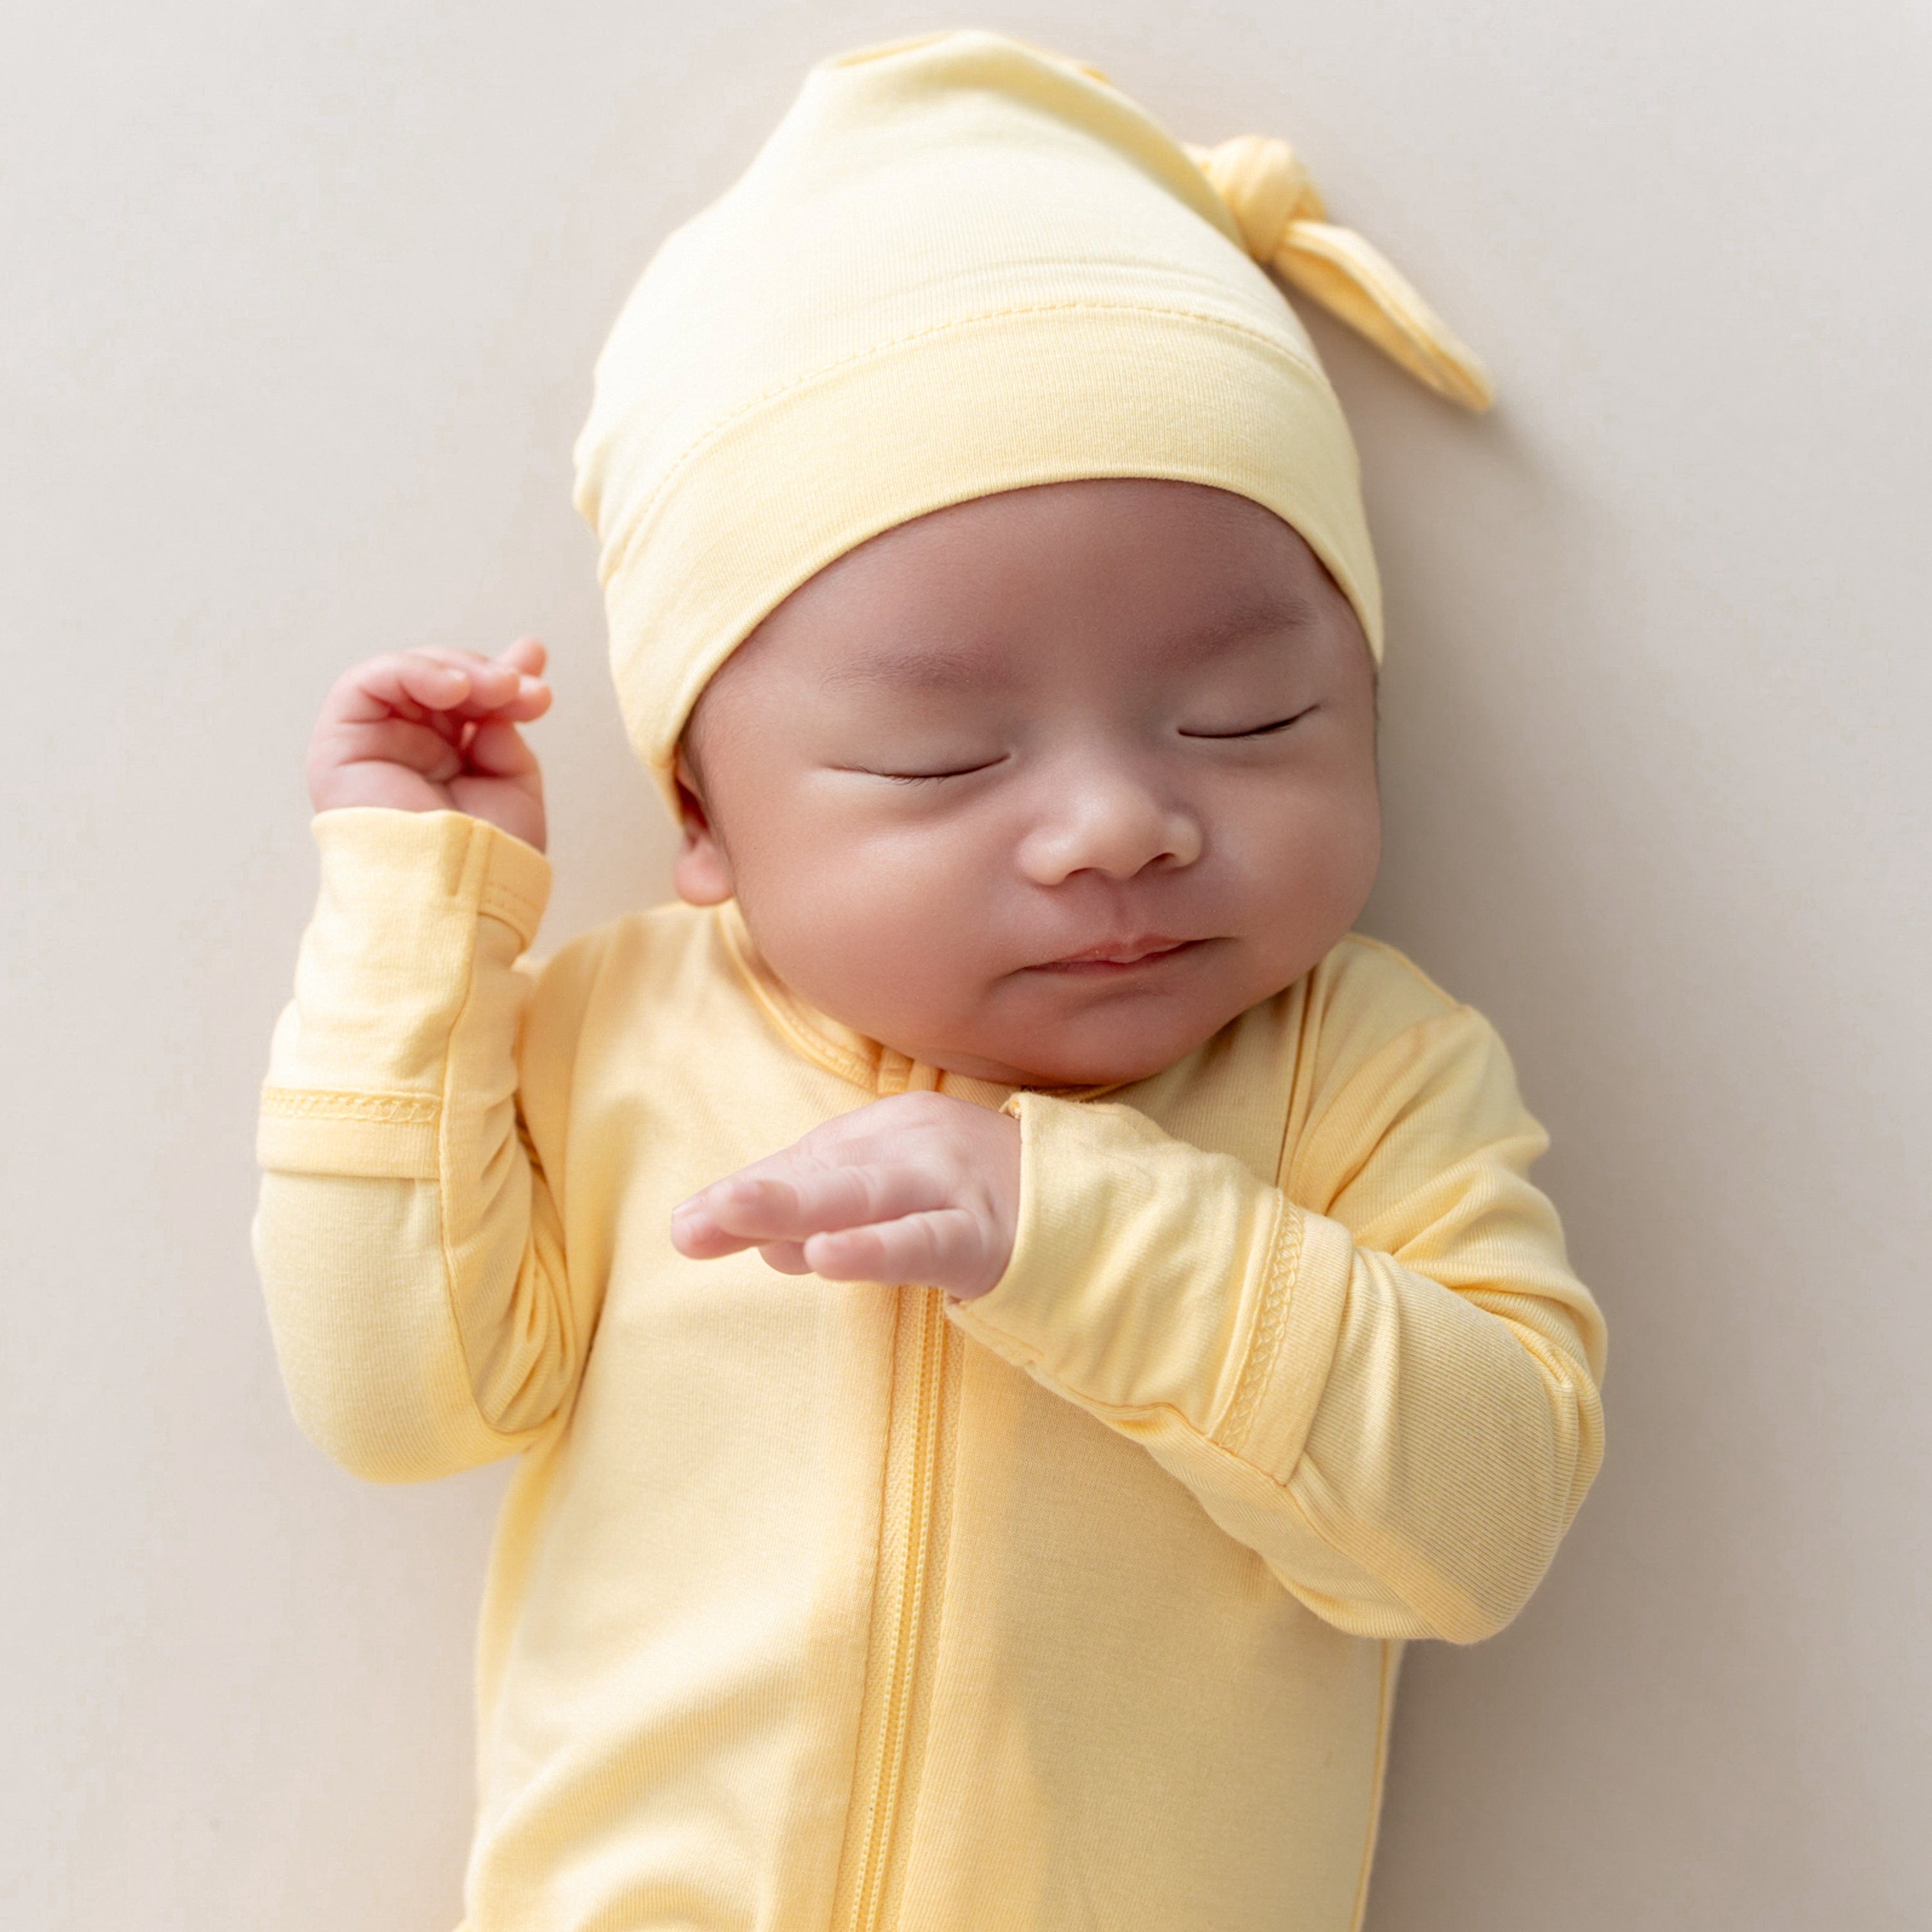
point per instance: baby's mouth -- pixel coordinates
(1143, 951)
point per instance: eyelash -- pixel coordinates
(1259, 731)
(928, 778)
(966, 771)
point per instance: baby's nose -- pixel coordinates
(1107, 821)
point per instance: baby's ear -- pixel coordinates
(701, 874)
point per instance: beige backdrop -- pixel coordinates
(299, 306)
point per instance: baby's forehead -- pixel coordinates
(1006, 656)
(1003, 646)
(1116, 559)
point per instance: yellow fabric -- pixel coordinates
(822, 1605)
(1284, 225)
(962, 265)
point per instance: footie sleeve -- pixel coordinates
(1382, 1376)
(409, 1244)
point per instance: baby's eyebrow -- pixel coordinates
(928, 667)
(935, 667)
(1253, 617)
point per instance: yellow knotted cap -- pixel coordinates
(962, 264)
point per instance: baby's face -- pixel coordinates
(1046, 787)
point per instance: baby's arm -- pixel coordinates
(410, 1249)
(1381, 1378)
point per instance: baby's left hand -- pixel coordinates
(919, 1187)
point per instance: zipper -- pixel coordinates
(908, 1607)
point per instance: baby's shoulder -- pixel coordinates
(638, 958)
(1362, 1035)
(657, 938)
(1366, 1001)
(1364, 981)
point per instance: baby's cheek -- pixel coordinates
(869, 932)
(1315, 884)
(922, 951)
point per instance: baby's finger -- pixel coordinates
(789, 1206)
(495, 685)
(408, 681)
(528, 654)
(530, 701)
(396, 741)
(699, 1223)
(941, 1248)
(698, 1237)
(462, 654)
(788, 1257)
(497, 750)
(711, 1223)
(492, 683)
(517, 667)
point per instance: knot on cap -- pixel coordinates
(1265, 186)
(1284, 226)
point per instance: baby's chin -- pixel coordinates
(1024, 1030)
(1111, 1039)
(1097, 1060)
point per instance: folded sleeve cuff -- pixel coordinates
(1150, 1276)
(1292, 1351)
(412, 906)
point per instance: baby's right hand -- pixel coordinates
(436, 731)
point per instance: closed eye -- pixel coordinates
(1255, 730)
(929, 778)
